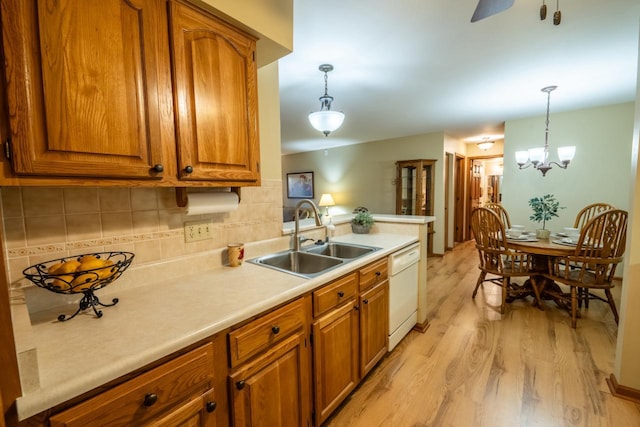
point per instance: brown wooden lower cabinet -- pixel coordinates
(350, 334)
(269, 384)
(335, 351)
(374, 326)
(179, 392)
(273, 390)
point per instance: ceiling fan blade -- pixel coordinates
(487, 8)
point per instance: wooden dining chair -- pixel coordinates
(501, 211)
(589, 212)
(495, 259)
(592, 265)
(581, 220)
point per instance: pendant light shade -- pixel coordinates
(326, 120)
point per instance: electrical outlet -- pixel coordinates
(197, 230)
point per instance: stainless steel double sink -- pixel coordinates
(314, 260)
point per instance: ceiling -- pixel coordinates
(407, 67)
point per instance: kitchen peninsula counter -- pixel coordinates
(153, 320)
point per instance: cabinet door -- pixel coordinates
(88, 86)
(374, 326)
(215, 85)
(274, 389)
(195, 413)
(335, 351)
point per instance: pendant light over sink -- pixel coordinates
(538, 157)
(326, 120)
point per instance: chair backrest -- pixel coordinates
(501, 211)
(602, 243)
(489, 232)
(588, 212)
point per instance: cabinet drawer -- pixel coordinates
(146, 396)
(334, 294)
(373, 273)
(265, 331)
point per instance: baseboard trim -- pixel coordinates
(621, 391)
(421, 327)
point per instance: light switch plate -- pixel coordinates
(197, 230)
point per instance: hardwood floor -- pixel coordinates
(474, 367)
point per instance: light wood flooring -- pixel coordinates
(474, 367)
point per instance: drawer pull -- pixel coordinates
(188, 169)
(366, 301)
(378, 273)
(150, 399)
(240, 385)
(211, 406)
(356, 307)
(340, 294)
(158, 168)
(275, 329)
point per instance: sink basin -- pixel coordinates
(341, 250)
(304, 264)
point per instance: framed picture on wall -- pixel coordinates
(300, 185)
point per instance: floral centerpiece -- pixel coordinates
(544, 209)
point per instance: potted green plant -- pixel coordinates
(544, 209)
(362, 222)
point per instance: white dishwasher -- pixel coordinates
(403, 293)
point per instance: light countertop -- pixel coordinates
(156, 319)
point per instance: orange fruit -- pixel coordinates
(55, 267)
(63, 283)
(83, 282)
(68, 267)
(108, 270)
(86, 258)
(90, 264)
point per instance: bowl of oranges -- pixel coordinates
(81, 274)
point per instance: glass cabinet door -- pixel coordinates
(414, 187)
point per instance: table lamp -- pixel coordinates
(326, 200)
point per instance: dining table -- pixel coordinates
(541, 250)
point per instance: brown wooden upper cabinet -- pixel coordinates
(91, 93)
(215, 87)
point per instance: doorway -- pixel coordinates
(485, 183)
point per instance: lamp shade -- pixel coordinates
(537, 155)
(485, 145)
(326, 200)
(565, 154)
(522, 157)
(326, 121)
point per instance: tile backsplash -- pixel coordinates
(44, 223)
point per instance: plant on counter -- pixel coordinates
(362, 222)
(544, 209)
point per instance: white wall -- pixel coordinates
(599, 172)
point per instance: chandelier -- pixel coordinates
(326, 120)
(538, 157)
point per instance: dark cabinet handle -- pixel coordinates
(240, 385)
(340, 294)
(356, 307)
(275, 329)
(158, 168)
(188, 169)
(378, 273)
(211, 406)
(150, 399)
(366, 301)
